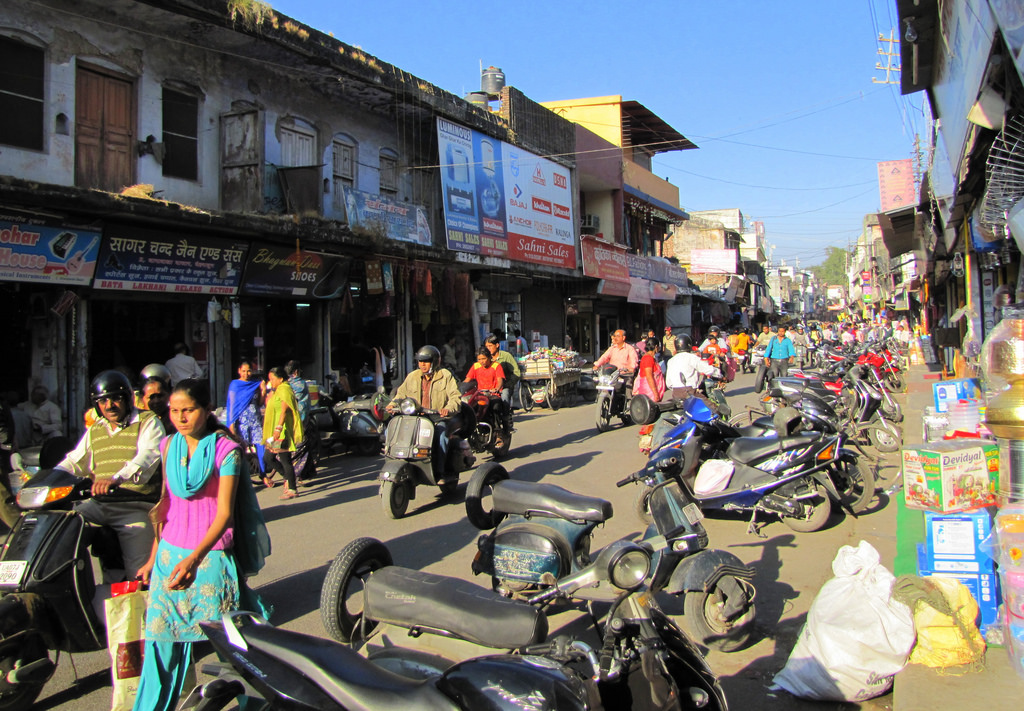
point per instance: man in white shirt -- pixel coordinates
(686, 369)
(45, 415)
(183, 366)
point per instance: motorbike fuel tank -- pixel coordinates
(513, 682)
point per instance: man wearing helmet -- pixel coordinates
(686, 369)
(431, 386)
(120, 450)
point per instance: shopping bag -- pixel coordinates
(126, 619)
(857, 636)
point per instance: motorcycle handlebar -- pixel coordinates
(628, 480)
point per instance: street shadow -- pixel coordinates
(420, 549)
(559, 466)
(557, 443)
(294, 595)
(773, 594)
(85, 685)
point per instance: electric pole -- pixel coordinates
(890, 69)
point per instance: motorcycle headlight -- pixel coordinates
(35, 496)
(626, 564)
(408, 406)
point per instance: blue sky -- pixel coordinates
(778, 96)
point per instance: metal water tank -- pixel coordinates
(478, 98)
(492, 81)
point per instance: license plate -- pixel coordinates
(11, 571)
(693, 513)
(605, 387)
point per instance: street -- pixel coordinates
(559, 447)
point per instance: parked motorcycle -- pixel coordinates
(455, 639)
(412, 454)
(355, 424)
(49, 593)
(795, 475)
(541, 533)
(613, 394)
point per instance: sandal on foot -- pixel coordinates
(289, 494)
(268, 482)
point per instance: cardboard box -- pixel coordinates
(955, 475)
(953, 542)
(947, 391)
(983, 586)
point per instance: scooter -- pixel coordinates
(409, 624)
(50, 599)
(541, 533)
(613, 394)
(356, 424)
(412, 454)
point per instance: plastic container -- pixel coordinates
(934, 425)
(1013, 638)
(964, 416)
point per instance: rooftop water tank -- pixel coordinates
(492, 81)
(478, 98)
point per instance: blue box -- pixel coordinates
(953, 542)
(983, 586)
(947, 391)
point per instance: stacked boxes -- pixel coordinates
(950, 391)
(955, 475)
(952, 549)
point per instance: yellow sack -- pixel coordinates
(945, 640)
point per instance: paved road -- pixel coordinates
(560, 447)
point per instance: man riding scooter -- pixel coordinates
(121, 451)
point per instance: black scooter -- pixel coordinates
(48, 586)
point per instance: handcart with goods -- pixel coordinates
(550, 377)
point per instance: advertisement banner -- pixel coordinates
(502, 201)
(639, 291)
(47, 250)
(380, 215)
(283, 271)
(639, 266)
(149, 260)
(713, 261)
(603, 260)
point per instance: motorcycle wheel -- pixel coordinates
(480, 484)
(892, 412)
(526, 395)
(604, 416)
(642, 505)
(366, 447)
(885, 436)
(896, 383)
(341, 596)
(855, 484)
(502, 443)
(394, 498)
(818, 516)
(703, 613)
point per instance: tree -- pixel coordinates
(833, 270)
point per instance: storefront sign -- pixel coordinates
(282, 271)
(663, 292)
(639, 267)
(500, 200)
(137, 259)
(604, 260)
(639, 291)
(46, 250)
(380, 215)
(713, 261)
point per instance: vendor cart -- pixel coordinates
(549, 382)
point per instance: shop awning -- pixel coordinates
(609, 287)
(660, 204)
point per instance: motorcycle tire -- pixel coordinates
(855, 484)
(526, 396)
(818, 516)
(642, 506)
(366, 447)
(551, 400)
(893, 412)
(344, 583)
(885, 436)
(703, 615)
(759, 379)
(480, 484)
(603, 420)
(896, 383)
(394, 498)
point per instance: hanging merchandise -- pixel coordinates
(212, 310)
(374, 278)
(428, 286)
(388, 276)
(958, 265)
(236, 314)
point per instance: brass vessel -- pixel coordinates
(1002, 366)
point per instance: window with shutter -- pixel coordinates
(181, 135)
(388, 171)
(21, 94)
(343, 167)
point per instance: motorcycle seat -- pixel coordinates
(747, 450)
(412, 598)
(349, 679)
(524, 498)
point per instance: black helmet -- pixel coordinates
(155, 370)
(429, 354)
(684, 344)
(111, 383)
(714, 329)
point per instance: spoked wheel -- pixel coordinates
(705, 618)
(855, 484)
(480, 485)
(394, 497)
(885, 436)
(603, 419)
(896, 383)
(341, 597)
(816, 512)
(526, 395)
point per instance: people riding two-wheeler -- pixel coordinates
(490, 378)
(714, 353)
(154, 397)
(780, 354)
(433, 388)
(120, 451)
(622, 355)
(800, 342)
(512, 373)
(764, 336)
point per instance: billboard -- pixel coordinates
(46, 250)
(896, 184)
(713, 261)
(379, 214)
(502, 201)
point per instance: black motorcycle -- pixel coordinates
(542, 533)
(48, 585)
(470, 648)
(614, 390)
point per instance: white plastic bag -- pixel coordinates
(713, 476)
(856, 637)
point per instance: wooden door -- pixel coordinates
(104, 131)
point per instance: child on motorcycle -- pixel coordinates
(490, 378)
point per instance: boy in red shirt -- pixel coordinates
(487, 374)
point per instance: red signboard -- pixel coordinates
(604, 260)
